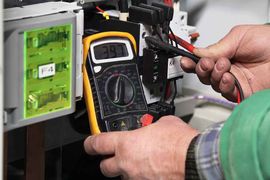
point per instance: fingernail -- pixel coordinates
(224, 80)
(182, 61)
(220, 66)
(204, 66)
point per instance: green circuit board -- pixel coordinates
(47, 70)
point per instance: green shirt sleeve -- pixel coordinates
(245, 140)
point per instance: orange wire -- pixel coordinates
(194, 35)
(99, 9)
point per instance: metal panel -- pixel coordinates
(14, 63)
(1, 95)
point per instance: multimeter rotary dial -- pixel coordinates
(120, 90)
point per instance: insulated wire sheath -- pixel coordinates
(169, 48)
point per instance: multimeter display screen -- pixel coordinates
(110, 50)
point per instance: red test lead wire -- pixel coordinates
(238, 97)
(240, 94)
(182, 43)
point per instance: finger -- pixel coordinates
(103, 143)
(232, 96)
(169, 118)
(226, 47)
(227, 87)
(218, 49)
(222, 66)
(204, 69)
(227, 83)
(109, 167)
(187, 65)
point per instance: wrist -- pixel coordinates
(181, 151)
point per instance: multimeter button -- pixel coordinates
(146, 120)
(97, 69)
(120, 90)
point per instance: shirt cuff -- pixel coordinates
(207, 153)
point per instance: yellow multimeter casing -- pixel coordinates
(112, 87)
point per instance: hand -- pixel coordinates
(157, 151)
(245, 52)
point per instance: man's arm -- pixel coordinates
(239, 147)
(244, 139)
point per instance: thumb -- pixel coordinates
(226, 47)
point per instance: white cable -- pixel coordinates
(123, 16)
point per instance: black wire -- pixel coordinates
(170, 49)
(123, 5)
(175, 92)
(171, 41)
(157, 32)
(174, 80)
(237, 84)
(164, 90)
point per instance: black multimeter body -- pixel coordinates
(117, 92)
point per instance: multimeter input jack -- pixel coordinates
(115, 125)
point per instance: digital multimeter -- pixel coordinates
(112, 87)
